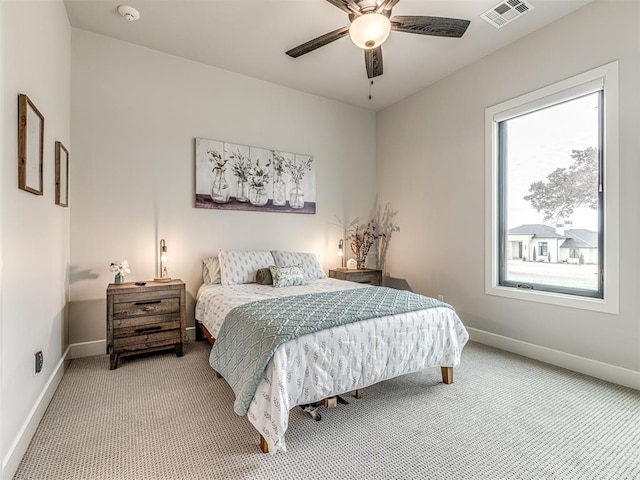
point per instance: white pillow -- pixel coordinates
(289, 276)
(211, 270)
(311, 267)
(238, 267)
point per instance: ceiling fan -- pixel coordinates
(371, 23)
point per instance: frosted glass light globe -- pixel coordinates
(370, 30)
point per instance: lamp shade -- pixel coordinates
(370, 30)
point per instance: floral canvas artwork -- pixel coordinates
(240, 177)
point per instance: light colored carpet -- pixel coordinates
(505, 417)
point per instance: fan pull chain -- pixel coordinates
(370, 85)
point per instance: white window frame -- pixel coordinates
(605, 76)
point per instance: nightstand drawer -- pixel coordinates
(146, 306)
(371, 278)
(145, 341)
(138, 325)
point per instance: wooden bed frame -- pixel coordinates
(202, 332)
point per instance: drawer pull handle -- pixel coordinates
(148, 329)
(365, 281)
(148, 302)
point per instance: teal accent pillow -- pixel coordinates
(288, 276)
(263, 276)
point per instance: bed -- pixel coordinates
(328, 361)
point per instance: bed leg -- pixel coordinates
(331, 402)
(217, 374)
(447, 374)
(264, 446)
(358, 393)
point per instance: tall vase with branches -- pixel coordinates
(377, 232)
(362, 238)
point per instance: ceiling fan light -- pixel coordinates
(370, 30)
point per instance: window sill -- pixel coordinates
(607, 305)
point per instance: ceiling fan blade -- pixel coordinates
(437, 26)
(318, 42)
(373, 62)
(347, 6)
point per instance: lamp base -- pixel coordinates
(162, 279)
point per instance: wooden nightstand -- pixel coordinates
(145, 318)
(364, 275)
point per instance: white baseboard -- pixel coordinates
(99, 347)
(191, 333)
(593, 368)
(88, 349)
(19, 446)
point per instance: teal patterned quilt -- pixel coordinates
(252, 332)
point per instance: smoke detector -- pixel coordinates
(506, 12)
(129, 13)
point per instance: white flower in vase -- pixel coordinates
(121, 269)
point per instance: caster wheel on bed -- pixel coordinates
(311, 409)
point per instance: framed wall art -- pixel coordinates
(62, 175)
(30, 146)
(240, 177)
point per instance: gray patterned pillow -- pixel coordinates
(288, 276)
(210, 270)
(240, 267)
(311, 267)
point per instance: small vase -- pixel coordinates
(119, 279)
(296, 197)
(242, 195)
(361, 262)
(220, 187)
(279, 191)
(258, 196)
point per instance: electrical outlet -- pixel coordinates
(441, 297)
(39, 360)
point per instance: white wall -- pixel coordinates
(3, 42)
(35, 231)
(135, 114)
(430, 150)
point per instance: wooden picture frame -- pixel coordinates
(30, 146)
(62, 175)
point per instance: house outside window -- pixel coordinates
(543, 249)
(552, 170)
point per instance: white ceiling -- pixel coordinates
(251, 36)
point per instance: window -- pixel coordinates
(543, 248)
(552, 174)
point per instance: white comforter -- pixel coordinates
(336, 360)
